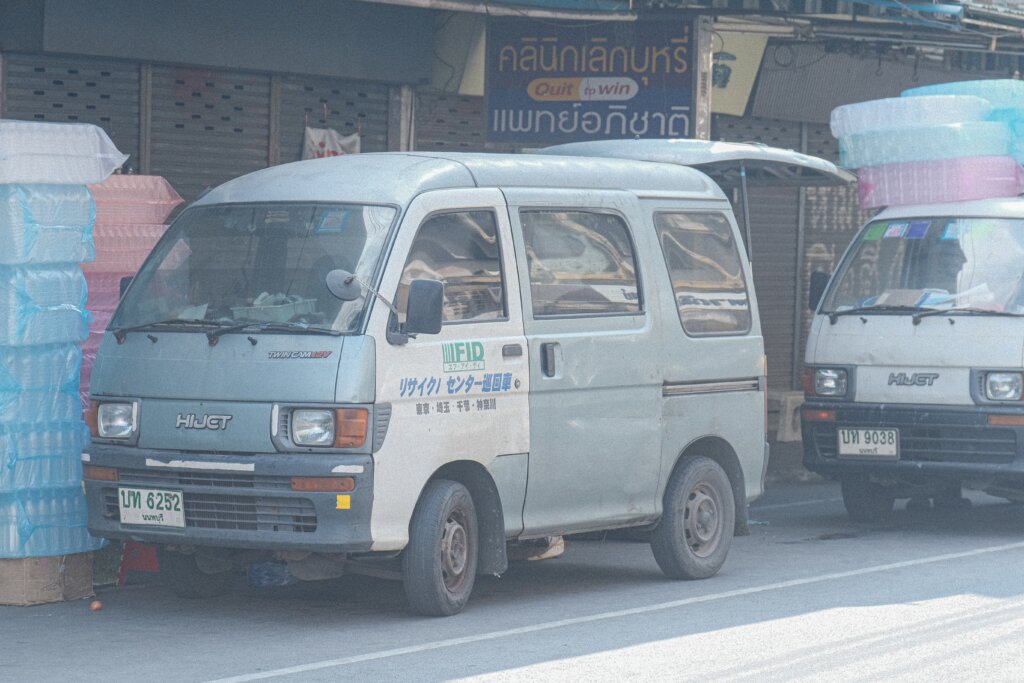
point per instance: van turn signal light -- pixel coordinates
(99, 473)
(323, 484)
(350, 427)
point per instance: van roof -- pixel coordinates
(999, 207)
(397, 177)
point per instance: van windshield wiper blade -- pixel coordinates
(120, 333)
(876, 309)
(964, 310)
(254, 326)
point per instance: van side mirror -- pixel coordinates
(124, 284)
(425, 307)
(819, 281)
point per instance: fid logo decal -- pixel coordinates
(463, 356)
(918, 379)
(190, 421)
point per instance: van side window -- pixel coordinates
(707, 278)
(581, 262)
(461, 250)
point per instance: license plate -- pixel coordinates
(868, 443)
(151, 507)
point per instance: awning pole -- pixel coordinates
(746, 208)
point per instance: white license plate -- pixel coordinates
(152, 507)
(868, 443)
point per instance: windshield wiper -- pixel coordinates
(876, 309)
(964, 310)
(121, 333)
(300, 328)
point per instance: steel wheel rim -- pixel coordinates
(454, 550)
(702, 519)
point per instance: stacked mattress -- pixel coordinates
(939, 143)
(130, 215)
(46, 222)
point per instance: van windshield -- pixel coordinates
(904, 265)
(233, 264)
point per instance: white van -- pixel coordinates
(915, 360)
(404, 362)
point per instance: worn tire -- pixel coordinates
(693, 537)
(866, 501)
(439, 564)
(181, 573)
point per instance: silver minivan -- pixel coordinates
(409, 363)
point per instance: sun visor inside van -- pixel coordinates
(724, 162)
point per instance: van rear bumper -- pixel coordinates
(238, 501)
(948, 441)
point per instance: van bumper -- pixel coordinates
(237, 501)
(947, 441)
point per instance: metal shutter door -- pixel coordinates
(350, 106)
(453, 123)
(773, 226)
(69, 89)
(207, 126)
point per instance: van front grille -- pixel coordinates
(932, 443)
(239, 513)
(154, 477)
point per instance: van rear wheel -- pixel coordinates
(439, 564)
(693, 537)
(866, 501)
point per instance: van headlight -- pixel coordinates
(115, 420)
(324, 427)
(1003, 386)
(830, 382)
(313, 427)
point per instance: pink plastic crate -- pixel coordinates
(940, 180)
(134, 199)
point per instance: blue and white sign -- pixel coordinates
(551, 82)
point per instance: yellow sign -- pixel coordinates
(344, 502)
(735, 61)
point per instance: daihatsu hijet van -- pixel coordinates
(915, 360)
(404, 362)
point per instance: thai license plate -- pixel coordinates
(151, 507)
(868, 443)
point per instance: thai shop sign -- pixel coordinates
(559, 82)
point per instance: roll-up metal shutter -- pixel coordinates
(346, 106)
(774, 217)
(833, 216)
(207, 126)
(453, 123)
(71, 89)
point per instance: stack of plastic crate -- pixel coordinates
(130, 215)
(940, 143)
(46, 220)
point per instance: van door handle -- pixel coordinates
(547, 358)
(511, 350)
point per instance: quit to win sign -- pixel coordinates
(549, 82)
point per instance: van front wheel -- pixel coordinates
(695, 532)
(439, 564)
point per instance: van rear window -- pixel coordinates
(704, 265)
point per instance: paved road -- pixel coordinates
(807, 596)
